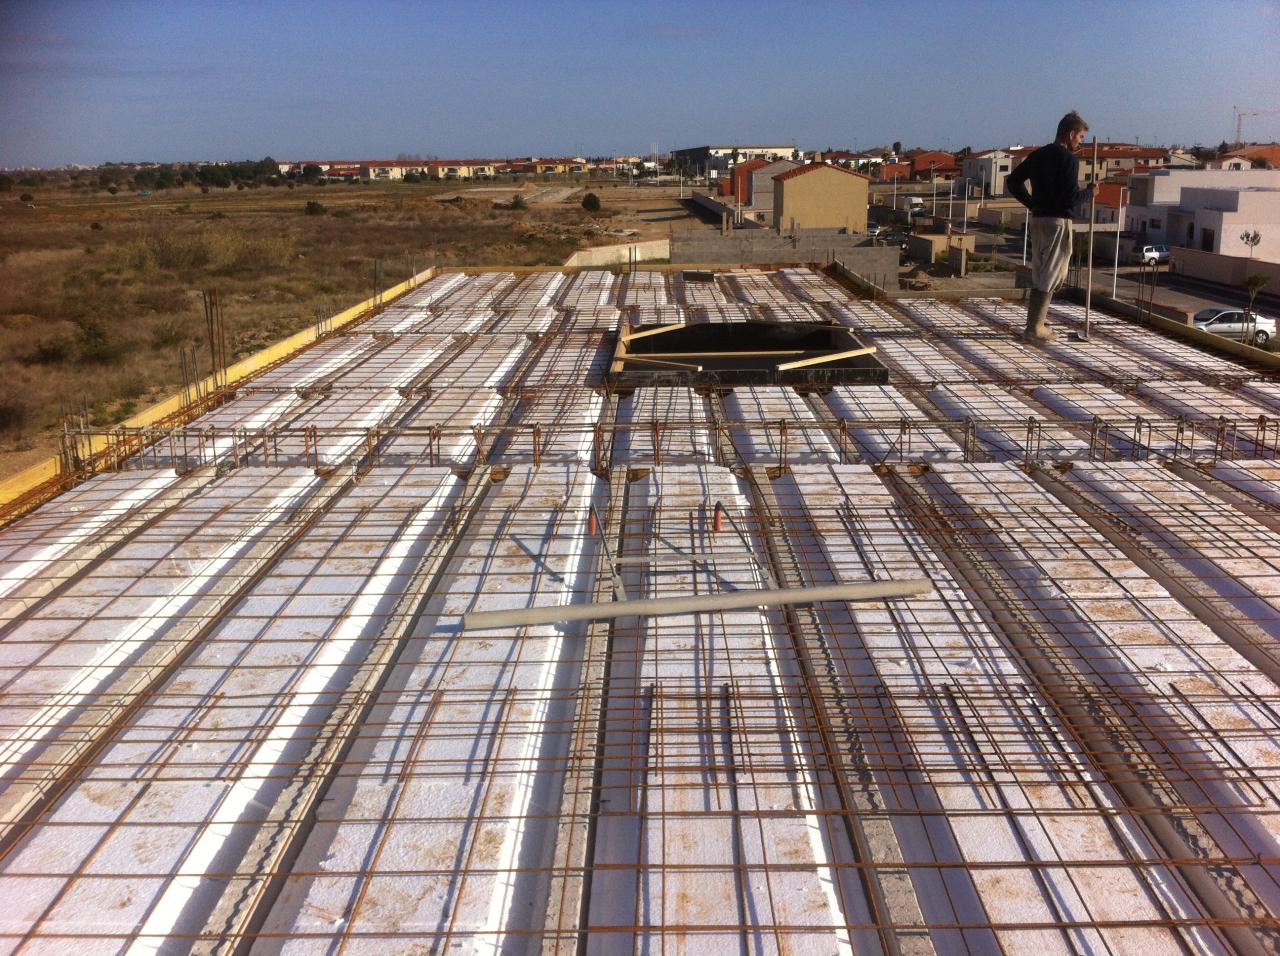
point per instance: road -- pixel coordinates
(1179, 292)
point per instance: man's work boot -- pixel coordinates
(1038, 316)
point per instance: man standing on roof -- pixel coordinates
(1053, 171)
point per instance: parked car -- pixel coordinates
(873, 229)
(898, 239)
(1237, 324)
(1154, 255)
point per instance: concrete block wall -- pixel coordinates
(617, 255)
(758, 246)
(1228, 270)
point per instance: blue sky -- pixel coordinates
(87, 82)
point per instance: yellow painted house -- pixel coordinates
(819, 196)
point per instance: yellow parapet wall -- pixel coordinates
(30, 478)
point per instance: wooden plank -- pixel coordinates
(829, 357)
(650, 361)
(645, 333)
(730, 354)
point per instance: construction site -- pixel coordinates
(664, 611)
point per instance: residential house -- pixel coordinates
(700, 160)
(989, 169)
(1206, 209)
(740, 178)
(760, 191)
(1267, 154)
(851, 160)
(933, 164)
(889, 172)
(1107, 200)
(1115, 158)
(819, 196)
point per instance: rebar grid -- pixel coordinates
(757, 288)
(910, 775)
(458, 427)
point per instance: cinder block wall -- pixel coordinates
(768, 247)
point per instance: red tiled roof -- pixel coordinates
(813, 167)
(1108, 194)
(1121, 152)
(1268, 151)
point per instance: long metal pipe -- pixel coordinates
(1093, 206)
(728, 601)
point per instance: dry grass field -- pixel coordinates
(99, 293)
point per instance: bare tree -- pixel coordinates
(1253, 285)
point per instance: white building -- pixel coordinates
(1207, 209)
(991, 167)
(700, 160)
(1229, 162)
(1213, 220)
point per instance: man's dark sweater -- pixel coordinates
(1053, 171)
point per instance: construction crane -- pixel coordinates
(1241, 114)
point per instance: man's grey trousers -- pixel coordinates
(1050, 253)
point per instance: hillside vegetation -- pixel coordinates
(99, 292)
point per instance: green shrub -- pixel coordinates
(95, 226)
(27, 197)
(313, 208)
(591, 202)
(94, 346)
(49, 352)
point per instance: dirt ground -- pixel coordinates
(100, 293)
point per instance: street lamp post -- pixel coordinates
(1115, 268)
(933, 184)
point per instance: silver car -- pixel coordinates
(1238, 324)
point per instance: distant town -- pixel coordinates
(1221, 201)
